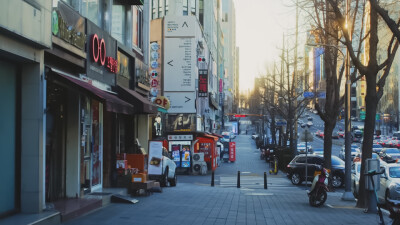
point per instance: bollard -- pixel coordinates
(265, 180)
(238, 180)
(212, 179)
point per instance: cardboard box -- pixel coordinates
(139, 178)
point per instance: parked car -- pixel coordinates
(354, 152)
(301, 148)
(296, 169)
(309, 123)
(394, 153)
(357, 158)
(335, 136)
(390, 183)
(318, 151)
(168, 169)
(377, 148)
(340, 134)
(317, 133)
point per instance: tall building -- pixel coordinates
(197, 23)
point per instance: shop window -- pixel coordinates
(193, 7)
(185, 7)
(137, 27)
(166, 6)
(118, 27)
(153, 9)
(160, 8)
(201, 12)
(87, 8)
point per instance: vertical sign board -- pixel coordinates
(155, 157)
(232, 151)
(179, 64)
(203, 83)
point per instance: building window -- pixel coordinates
(118, 30)
(91, 10)
(193, 7)
(185, 7)
(154, 9)
(201, 12)
(160, 8)
(137, 27)
(166, 6)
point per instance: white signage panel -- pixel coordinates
(182, 26)
(179, 64)
(181, 102)
(155, 157)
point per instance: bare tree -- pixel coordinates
(370, 70)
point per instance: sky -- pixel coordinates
(260, 26)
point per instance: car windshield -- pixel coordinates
(336, 161)
(354, 150)
(394, 172)
(301, 145)
(392, 150)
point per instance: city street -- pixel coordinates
(194, 201)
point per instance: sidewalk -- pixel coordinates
(195, 202)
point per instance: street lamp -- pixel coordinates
(347, 195)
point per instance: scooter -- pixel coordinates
(274, 165)
(319, 188)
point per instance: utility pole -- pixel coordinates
(347, 195)
(295, 76)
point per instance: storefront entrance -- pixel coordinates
(8, 152)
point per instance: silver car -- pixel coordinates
(355, 178)
(390, 183)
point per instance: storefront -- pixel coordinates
(207, 144)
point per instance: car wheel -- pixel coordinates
(173, 181)
(337, 181)
(164, 179)
(296, 180)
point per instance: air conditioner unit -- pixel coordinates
(198, 157)
(200, 167)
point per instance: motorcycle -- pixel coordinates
(319, 188)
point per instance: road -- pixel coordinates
(318, 124)
(194, 201)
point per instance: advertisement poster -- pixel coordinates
(232, 151)
(155, 157)
(235, 127)
(181, 122)
(176, 154)
(186, 156)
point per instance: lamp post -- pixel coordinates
(347, 195)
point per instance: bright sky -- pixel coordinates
(260, 25)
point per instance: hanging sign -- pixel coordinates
(203, 83)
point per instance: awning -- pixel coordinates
(142, 104)
(112, 102)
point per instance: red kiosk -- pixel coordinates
(208, 145)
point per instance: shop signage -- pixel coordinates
(142, 74)
(182, 102)
(188, 137)
(68, 25)
(154, 83)
(203, 83)
(162, 101)
(123, 64)
(101, 64)
(155, 157)
(181, 122)
(232, 151)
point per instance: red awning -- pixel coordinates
(112, 102)
(142, 104)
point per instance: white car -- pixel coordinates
(301, 148)
(168, 170)
(390, 183)
(354, 152)
(309, 123)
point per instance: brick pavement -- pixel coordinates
(195, 202)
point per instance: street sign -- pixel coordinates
(306, 136)
(378, 117)
(280, 123)
(322, 95)
(308, 95)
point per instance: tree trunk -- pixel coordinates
(369, 126)
(328, 131)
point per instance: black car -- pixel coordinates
(296, 169)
